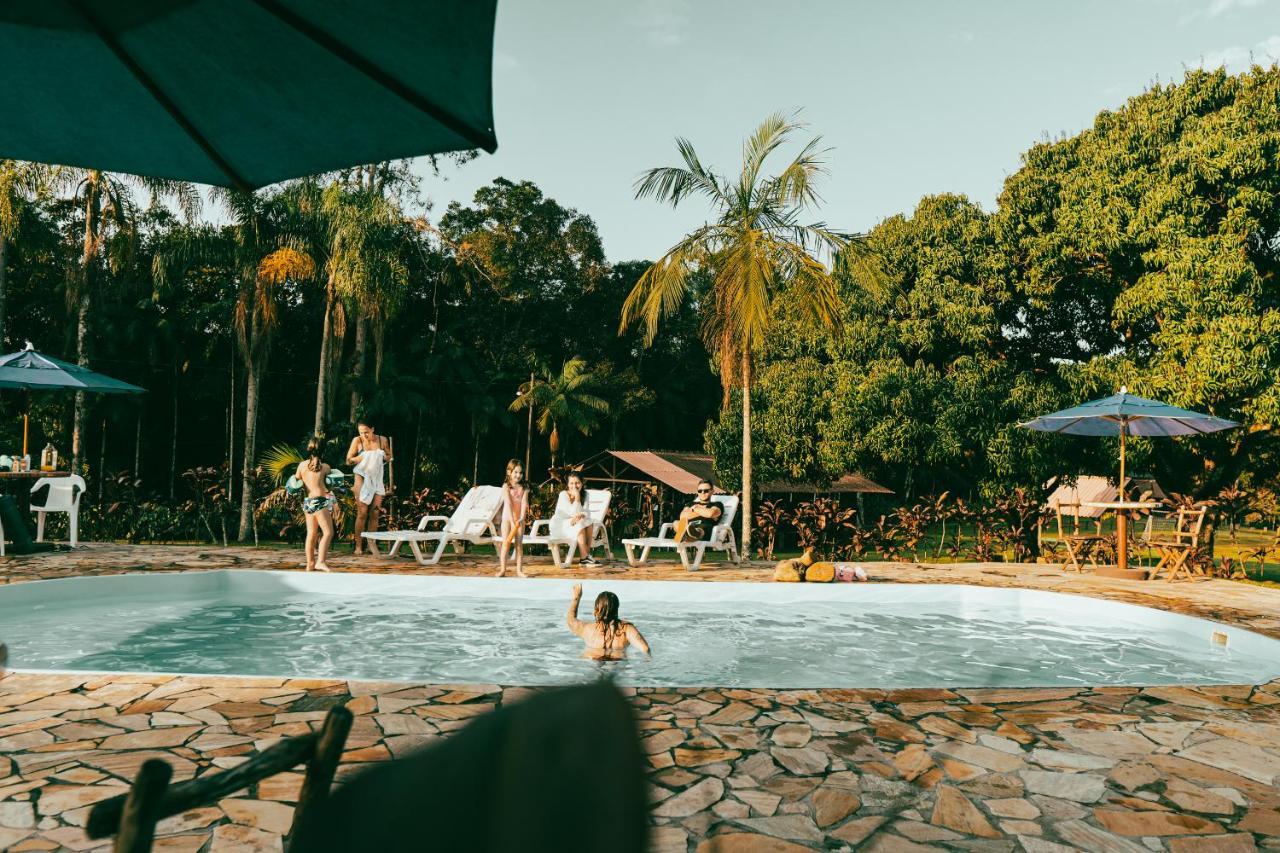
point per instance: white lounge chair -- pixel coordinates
(597, 509)
(472, 521)
(64, 496)
(721, 539)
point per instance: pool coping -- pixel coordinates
(728, 770)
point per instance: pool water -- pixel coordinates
(512, 631)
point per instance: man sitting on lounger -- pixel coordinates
(699, 518)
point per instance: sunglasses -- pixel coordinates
(704, 491)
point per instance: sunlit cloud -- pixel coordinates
(1221, 7)
(1218, 8)
(664, 23)
(1241, 57)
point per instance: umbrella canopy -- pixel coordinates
(244, 93)
(1130, 414)
(34, 371)
(1124, 414)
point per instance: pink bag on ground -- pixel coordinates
(848, 572)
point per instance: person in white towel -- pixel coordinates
(368, 455)
(571, 520)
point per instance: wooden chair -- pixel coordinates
(1077, 544)
(132, 817)
(1176, 541)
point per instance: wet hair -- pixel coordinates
(606, 613)
(363, 422)
(314, 447)
(582, 493)
(512, 465)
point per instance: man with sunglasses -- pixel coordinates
(699, 518)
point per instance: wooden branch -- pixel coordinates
(105, 817)
(142, 807)
(321, 768)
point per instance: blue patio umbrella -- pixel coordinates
(38, 372)
(1124, 414)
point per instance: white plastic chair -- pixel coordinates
(64, 496)
(597, 509)
(721, 539)
(473, 521)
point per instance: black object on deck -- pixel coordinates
(16, 530)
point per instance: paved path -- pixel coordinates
(1106, 769)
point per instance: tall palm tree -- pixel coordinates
(107, 200)
(262, 257)
(754, 251)
(20, 183)
(570, 397)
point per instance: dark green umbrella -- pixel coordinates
(243, 93)
(38, 372)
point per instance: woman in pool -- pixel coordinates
(608, 637)
(515, 505)
(317, 506)
(571, 520)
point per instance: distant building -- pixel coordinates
(1089, 489)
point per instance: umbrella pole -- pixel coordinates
(24, 433)
(1123, 426)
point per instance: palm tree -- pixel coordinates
(262, 257)
(20, 182)
(754, 252)
(571, 397)
(108, 204)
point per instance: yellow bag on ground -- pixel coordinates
(820, 573)
(787, 572)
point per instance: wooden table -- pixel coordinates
(1122, 510)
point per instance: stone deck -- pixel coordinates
(1106, 769)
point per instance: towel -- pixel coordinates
(370, 468)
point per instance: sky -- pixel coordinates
(913, 98)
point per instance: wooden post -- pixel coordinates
(142, 807)
(322, 766)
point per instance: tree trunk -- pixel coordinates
(326, 343)
(358, 365)
(379, 338)
(82, 313)
(4, 251)
(137, 450)
(102, 459)
(231, 429)
(250, 436)
(173, 445)
(82, 359)
(745, 505)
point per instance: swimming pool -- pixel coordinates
(511, 631)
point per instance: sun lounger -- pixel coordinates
(472, 521)
(597, 509)
(721, 539)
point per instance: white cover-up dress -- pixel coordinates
(561, 526)
(370, 468)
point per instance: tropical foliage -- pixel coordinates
(1143, 251)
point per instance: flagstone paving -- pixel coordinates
(1180, 769)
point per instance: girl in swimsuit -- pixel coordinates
(514, 506)
(367, 441)
(608, 637)
(317, 506)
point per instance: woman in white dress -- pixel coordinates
(571, 520)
